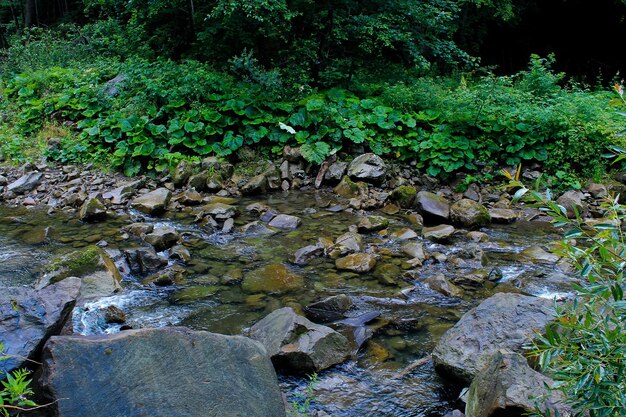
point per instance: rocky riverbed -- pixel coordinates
(380, 262)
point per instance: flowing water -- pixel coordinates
(412, 317)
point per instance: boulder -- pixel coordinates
(92, 210)
(572, 201)
(285, 221)
(367, 167)
(255, 185)
(198, 181)
(403, 234)
(539, 282)
(144, 260)
(297, 345)
(372, 224)
(162, 237)
(350, 242)
(220, 211)
(304, 255)
(438, 233)
(154, 202)
(189, 198)
(503, 321)
(440, 284)
(433, 207)
(356, 262)
(503, 215)
(274, 279)
(29, 317)
(25, 183)
(257, 228)
(414, 250)
(171, 371)
(335, 171)
(122, 193)
(350, 189)
(329, 309)
(507, 386)
(538, 255)
(404, 195)
(95, 268)
(469, 213)
(181, 173)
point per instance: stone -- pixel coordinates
(198, 181)
(304, 255)
(95, 268)
(329, 309)
(572, 201)
(211, 163)
(597, 190)
(255, 185)
(350, 189)
(538, 255)
(271, 279)
(171, 371)
(540, 282)
(414, 250)
(297, 345)
(356, 262)
(144, 260)
(503, 215)
(286, 222)
(508, 386)
(29, 317)
(162, 237)
(503, 321)
(350, 242)
(367, 167)
(189, 198)
(403, 234)
(387, 273)
(404, 195)
(440, 284)
(257, 228)
(154, 202)
(179, 252)
(438, 233)
(113, 314)
(469, 213)
(181, 173)
(92, 210)
(122, 193)
(372, 224)
(220, 211)
(478, 236)
(335, 171)
(139, 230)
(432, 207)
(25, 183)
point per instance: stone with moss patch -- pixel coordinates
(404, 195)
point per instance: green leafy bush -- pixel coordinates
(16, 390)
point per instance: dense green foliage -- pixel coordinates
(15, 392)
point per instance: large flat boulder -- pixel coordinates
(503, 321)
(367, 167)
(432, 206)
(28, 317)
(25, 183)
(155, 202)
(160, 372)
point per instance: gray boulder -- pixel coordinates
(160, 372)
(508, 386)
(438, 233)
(154, 202)
(181, 173)
(286, 222)
(433, 207)
(25, 183)
(163, 237)
(469, 213)
(503, 215)
(29, 317)
(297, 345)
(304, 255)
(122, 193)
(255, 185)
(572, 201)
(503, 321)
(367, 167)
(92, 210)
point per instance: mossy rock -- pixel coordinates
(404, 195)
(274, 278)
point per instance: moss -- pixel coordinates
(78, 263)
(404, 195)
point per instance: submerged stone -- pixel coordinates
(274, 278)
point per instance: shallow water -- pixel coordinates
(412, 319)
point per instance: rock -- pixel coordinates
(503, 215)
(25, 183)
(454, 413)
(335, 172)
(572, 201)
(478, 236)
(29, 317)
(92, 210)
(304, 255)
(329, 309)
(144, 260)
(372, 224)
(198, 181)
(469, 213)
(538, 255)
(114, 86)
(503, 321)
(404, 195)
(350, 242)
(122, 193)
(113, 314)
(538, 282)
(154, 202)
(170, 371)
(255, 185)
(257, 228)
(440, 284)
(438, 233)
(356, 262)
(403, 234)
(471, 279)
(508, 386)
(189, 198)
(432, 206)
(387, 274)
(285, 221)
(292, 154)
(414, 250)
(163, 237)
(367, 167)
(296, 345)
(273, 279)
(95, 268)
(139, 230)
(181, 173)
(597, 190)
(211, 163)
(220, 211)
(350, 189)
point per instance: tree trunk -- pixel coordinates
(30, 13)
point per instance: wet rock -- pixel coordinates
(211, 163)
(367, 167)
(414, 250)
(255, 185)
(572, 201)
(144, 260)
(387, 274)
(292, 154)
(154, 202)
(168, 276)
(372, 224)
(536, 254)
(356, 262)
(478, 236)
(403, 234)
(113, 314)
(228, 226)
(162, 237)
(440, 284)
(469, 213)
(454, 413)
(237, 376)
(198, 181)
(404, 195)
(542, 282)
(286, 222)
(304, 255)
(503, 321)
(220, 211)
(508, 386)
(597, 190)
(122, 193)
(335, 171)
(95, 268)
(189, 198)
(273, 279)
(29, 317)
(139, 230)
(181, 173)
(350, 189)
(472, 279)
(329, 309)
(503, 215)
(297, 345)
(350, 242)
(257, 228)
(25, 183)
(438, 233)
(432, 206)
(92, 210)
